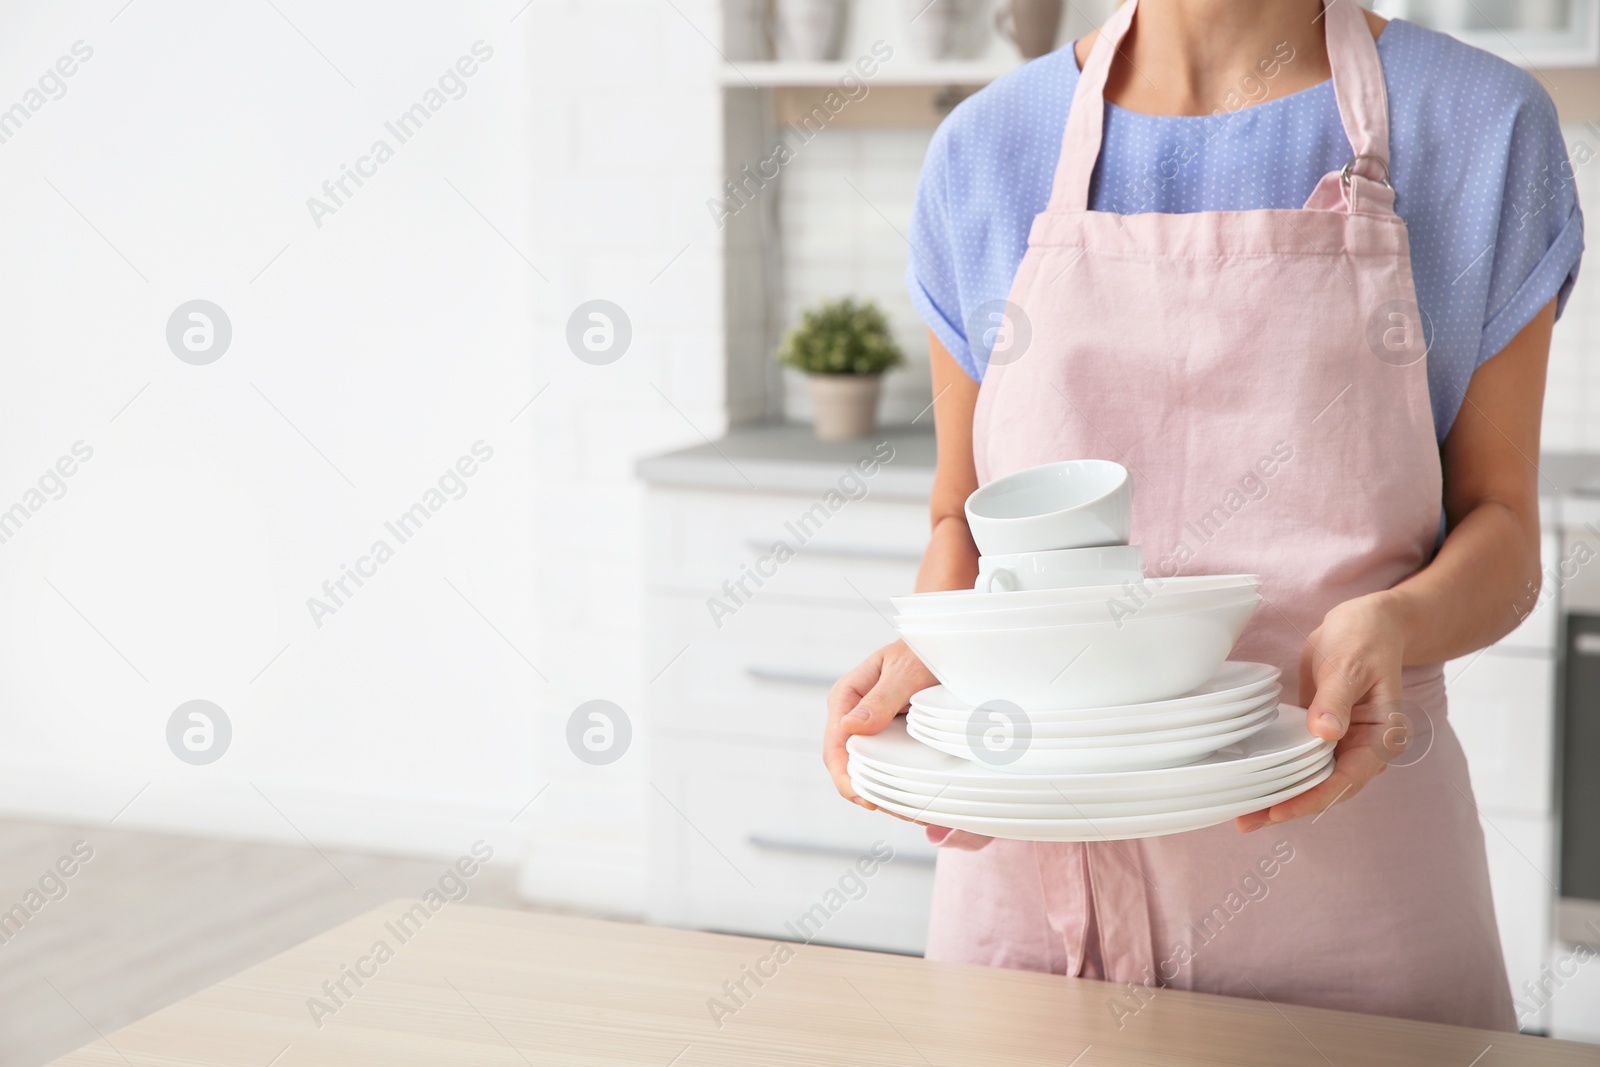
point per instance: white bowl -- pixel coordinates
(1112, 609)
(1076, 503)
(1097, 664)
(953, 600)
(1109, 565)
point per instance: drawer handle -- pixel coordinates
(811, 848)
(774, 676)
(755, 544)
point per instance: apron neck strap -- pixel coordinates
(1357, 86)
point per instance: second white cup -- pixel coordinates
(1062, 569)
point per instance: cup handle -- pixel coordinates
(1004, 578)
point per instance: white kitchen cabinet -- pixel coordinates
(744, 641)
(751, 837)
(1521, 852)
(1502, 707)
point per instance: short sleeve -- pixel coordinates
(1539, 241)
(931, 267)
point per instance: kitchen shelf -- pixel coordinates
(768, 74)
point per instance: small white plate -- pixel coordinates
(1111, 828)
(1020, 790)
(1062, 808)
(1103, 733)
(894, 750)
(1045, 725)
(1036, 758)
(1235, 680)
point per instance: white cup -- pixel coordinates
(1075, 503)
(1062, 569)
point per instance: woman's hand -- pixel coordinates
(865, 701)
(1350, 671)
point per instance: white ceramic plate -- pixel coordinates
(1062, 808)
(1233, 681)
(1113, 736)
(1039, 759)
(1110, 828)
(895, 752)
(1020, 790)
(1157, 722)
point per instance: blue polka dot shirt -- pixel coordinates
(1480, 171)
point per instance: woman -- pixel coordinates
(1280, 317)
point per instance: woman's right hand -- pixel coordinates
(865, 701)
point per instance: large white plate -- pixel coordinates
(1040, 759)
(1235, 680)
(1111, 828)
(1100, 733)
(936, 805)
(1045, 725)
(1015, 789)
(895, 751)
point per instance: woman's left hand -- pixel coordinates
(1350, 676)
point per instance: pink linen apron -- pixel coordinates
(1227, 359)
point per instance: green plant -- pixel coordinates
(842, 337)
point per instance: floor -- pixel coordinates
(151, 918)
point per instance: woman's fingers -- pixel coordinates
(842, 699)
(1337, 688)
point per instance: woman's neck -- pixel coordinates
(1196, 57)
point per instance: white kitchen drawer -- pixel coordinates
(766, 671)
(1502, 705)
(1538, 631)
(711, 542)
(1521, 854)
(750, 838)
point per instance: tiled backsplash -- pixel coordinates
(845, 209)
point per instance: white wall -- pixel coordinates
(368, 354)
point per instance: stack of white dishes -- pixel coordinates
(1074, 688)
(904, 776)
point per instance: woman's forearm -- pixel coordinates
(1482, 583)
(951, 561)
(1485, 578)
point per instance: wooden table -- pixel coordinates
(470, 985)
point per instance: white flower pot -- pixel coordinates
(807, 31)
(930, 28)
(844, 406)
(1031, 25)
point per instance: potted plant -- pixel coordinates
(844, 348)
